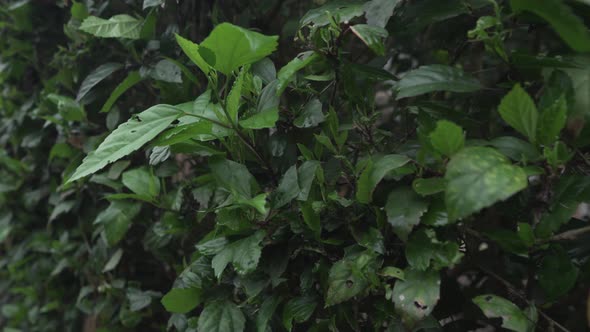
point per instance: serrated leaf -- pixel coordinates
(287, 190)
(298, 310)
(516, 149)
(232, 176)
(181, 300)
(132, 79)
(95, 77)
(349, 277)
(429, 186)
(478, 177)
(142, 182)
(374, 172)
(243, 254)
(311, 115)
(447, 138)
(344, 10)
(117, 219)
(128, 137)
(221, 316)
(557, 274)
(552, 121)
(192, 51)
(424, 249)
(519, 111)
(287, 73)
(233, 47)
(416, 296)
(233, 99)
(266, 312)
(378, 12)
(404, 208)
(372, 36)
(497, 307)
(260, 120)
(118, 26)
(433, 78)
(570, 27)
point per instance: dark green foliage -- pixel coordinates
(230, 165)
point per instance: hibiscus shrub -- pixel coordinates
(280, 165)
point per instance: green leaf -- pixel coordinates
(243, 254)
(404, 208)
(201, 131)
(306, 174)
(266, 312)
(378, 12)
(287, 73)
(233, 99)
(221, 316)
(508, 240)
(166, 71)
(374, 172)
(552, 121)
(152, 3)
(79, 11)
(117, 219)
(118, 26)
(95, 77)
(321, 16)
(311, 116)
(298, 310)
(497, 307)
(392, 272)
(558, 85)
(232, 176)
(557, 274)
(424, 249)
(67, 107)
(128, 137)
(268, 97)
(264, 119)
(569, 26)
(370, 238)
(234, 47)
(372, 36)
(132, 79)
(258, 203)
(288, 188)
(112, 263)
(433, 78)
(142, 182)
(431, 186)
(139, 300)
(478, 177)
(416, 295)
(447, 138)
(349, 277)
(181, 300)
(311, 218)
(192, 51)
(519, 111)
(516, 149)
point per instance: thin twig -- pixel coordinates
(569, 235)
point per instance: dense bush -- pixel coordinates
(287, 165)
